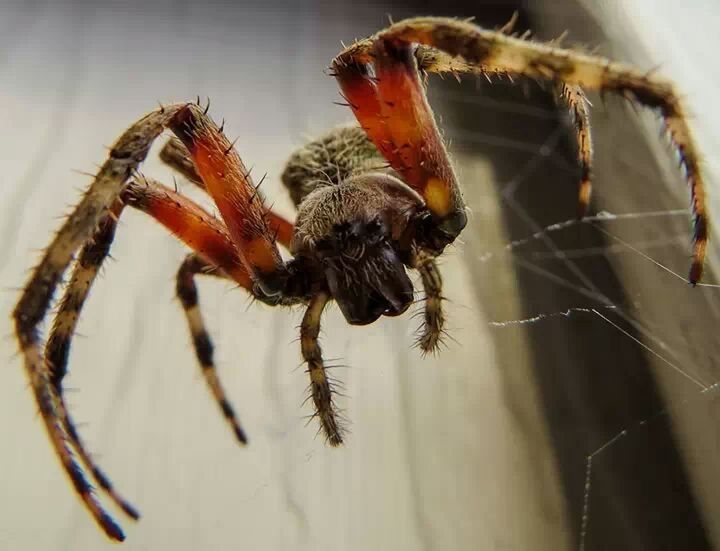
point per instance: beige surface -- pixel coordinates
(444, 453)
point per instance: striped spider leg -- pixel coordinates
(380, 77)
(91, 228)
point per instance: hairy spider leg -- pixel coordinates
(199, 230)
(186, 290)
(575, 100)
(124, 157)
(57, 348)
(215, 254)
(240, 203)
(320, 389)
(393, 109)
(176, 155)
(458, 46)
(190, 223)
(432, 331)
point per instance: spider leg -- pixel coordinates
(187, 293)
(431, 331)
(231, 186)
(194, 226)
(57, 348)
(188, 222)
(130, 150)
(177, 156)
(393, 110)
(462, 46)
(577, 103)
(216, 255)
(320, 389)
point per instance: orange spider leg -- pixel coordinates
(176, 155)
(393, 110)
(239, 202)
(215, 254)
(361, 94)
(190, 223)
(449, 45)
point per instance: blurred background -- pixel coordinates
(573, 407)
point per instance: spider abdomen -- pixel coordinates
(330, 160)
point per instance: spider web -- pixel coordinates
(601, 281)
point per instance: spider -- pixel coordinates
(373, 201)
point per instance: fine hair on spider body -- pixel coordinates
(373, 201)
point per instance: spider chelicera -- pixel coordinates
(373, 201)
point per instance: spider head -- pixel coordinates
(352, 233)
(364, 272)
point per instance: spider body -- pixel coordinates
(373, 201)
(357, 221)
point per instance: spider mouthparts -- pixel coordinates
(381, 288)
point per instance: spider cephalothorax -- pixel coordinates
(373, 202)
(359, 232)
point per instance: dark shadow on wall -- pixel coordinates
(594, 380)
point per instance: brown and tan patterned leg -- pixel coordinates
(57, 348)
(320, 388)
(186, 291)
(125, 156)
(577, 103)
(432, 330)
(188, 222)
(450, 45)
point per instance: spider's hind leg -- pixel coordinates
(176, 156)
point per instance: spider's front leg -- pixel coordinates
(57, 348)
(456, 46)
(177, 156)
(393, 110)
